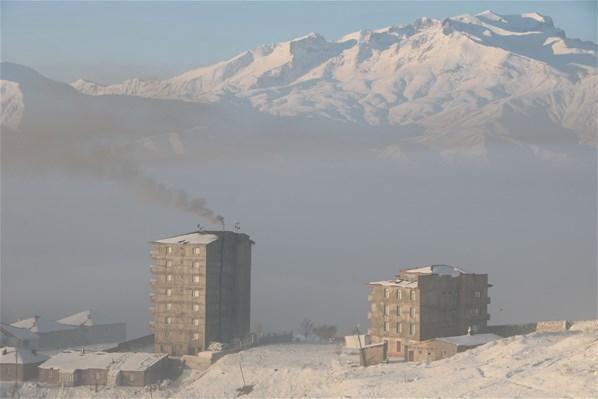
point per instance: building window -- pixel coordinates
(195, 322)
(195, 307)
(196, 265)
(168, 306)
(168, 320)
(168, 263)
(168, 292)
(477, 294)
(399, 328)
(398, 348)
(412, 329)
(386, 310)
(373, 307)
(169, 277)
(168, 250)
(475, 311)
(412, 312)
(196, 336)
(386, 292)
(196, 279)
(197, 251)
(386, 326)
(412, 295)
(196, 293)
(398, 310)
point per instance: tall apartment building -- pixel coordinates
(424, 303)
(201, 290)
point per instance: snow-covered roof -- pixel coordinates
(41, 325)
(190, 238)
(470, 340)
(395, 283)
(116, 361)
(86, 318)
(20, 333)
(12, 355)
(443, 270)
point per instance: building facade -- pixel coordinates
(201, 290)
(424, 303)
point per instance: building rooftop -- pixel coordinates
(17, 332)
(86, 318)
(12, 355)
(443, 270)
(470, 340)
(195, 237)
(40, 325)
(115, 361)
(395, 283)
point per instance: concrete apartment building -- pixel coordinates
(424, 303)
(201, 290)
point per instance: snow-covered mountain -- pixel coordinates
(459, 87)
(467, 81)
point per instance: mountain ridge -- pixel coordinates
(455, 86)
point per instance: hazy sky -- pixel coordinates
(326, 219)
(108, 42)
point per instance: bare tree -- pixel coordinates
(307, 327)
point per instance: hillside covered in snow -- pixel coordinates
(538, 365)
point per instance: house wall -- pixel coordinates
(429, 351)
(49, 376)
(20, 372)
(449, 305)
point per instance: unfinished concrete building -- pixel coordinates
(424, 303)
(201, 290)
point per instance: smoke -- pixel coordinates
(111, 164)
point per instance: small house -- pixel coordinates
(72, 368)
(19, 364)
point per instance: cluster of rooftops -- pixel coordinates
(27, 328)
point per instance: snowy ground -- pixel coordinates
(534, 365)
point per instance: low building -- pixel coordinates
(51, 334)
(424, 303)
(19, 364)
(96, 328)
(443, 347)
(72, 368)
(19, 337)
